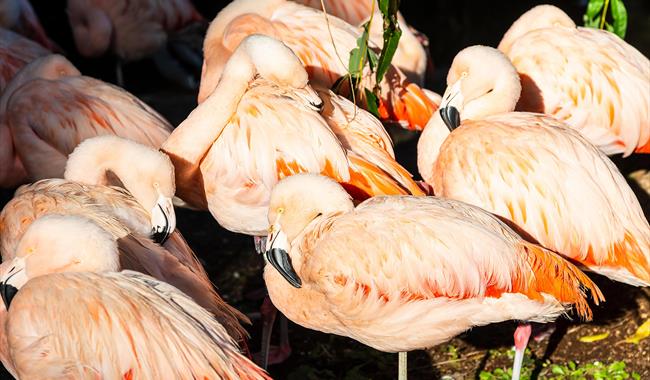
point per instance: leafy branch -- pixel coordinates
(596, 16)
(363, 55)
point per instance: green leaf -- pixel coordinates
(373, 102)
(593, 8)
(619, 15)
(609, 27)
(392, 34)
(359, 54)
(372, 59)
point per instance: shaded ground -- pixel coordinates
(235, 269)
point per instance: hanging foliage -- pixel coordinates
(596, 16)
(363, 55)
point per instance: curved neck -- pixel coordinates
(108, 167)
(429, 144)
(191, 140)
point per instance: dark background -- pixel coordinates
(450, 26)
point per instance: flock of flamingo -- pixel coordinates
(518, 194)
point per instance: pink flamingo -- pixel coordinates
(249, 133)
(533, 170)
(400, 273)
(321, 44)
(411, 56)
(15, 52)
(135, 29)
(19, 16)
(70, 314)
(49, 108)
(261, 124)
(589, 78)
(137, 214)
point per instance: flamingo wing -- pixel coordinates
(48, 119)
(589, 78)
(140, 254)
(401, 258)
(369, 146)
(141, 328)
(549, 180)
(15, 52)
(271, 136)
(113, 209)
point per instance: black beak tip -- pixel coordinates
(160, 237)
(318, 106)
(280, 260)
(8, 292)
(451, 117)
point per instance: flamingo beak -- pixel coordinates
(163, 219)
(452, 102)
(12, 281)
(278, 257)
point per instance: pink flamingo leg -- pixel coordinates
(522, 334)
(272, 355)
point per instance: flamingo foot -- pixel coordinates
(522, 334)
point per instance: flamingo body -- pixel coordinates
(49, 108)
(131, 29)
(394, 273)
(532, 169)
(306, 32)
(19, 16)
(139, 328)
(589, 78)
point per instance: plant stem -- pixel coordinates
(604, 14)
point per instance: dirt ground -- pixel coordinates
(236, 271)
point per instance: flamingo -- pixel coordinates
(69, 313)
(133, 30)
(137, 215)
(411, 55)
(262, 124)
(322, 44)
(49, 108)
(15, 52)
(589, 78)
(19, 16)
(400, 273)
(532, 169)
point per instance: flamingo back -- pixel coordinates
(590, 79)
(550, 181)
(71, 110)
(122, 310)
(350, 260)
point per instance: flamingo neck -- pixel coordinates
(432, 138)
(191, 140)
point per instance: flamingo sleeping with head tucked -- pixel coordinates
(410, 57)
(48, 108)
(532, 169)
(589, 78)
(402, 273)
(70, 314)
(307, 32)
(126, 189)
